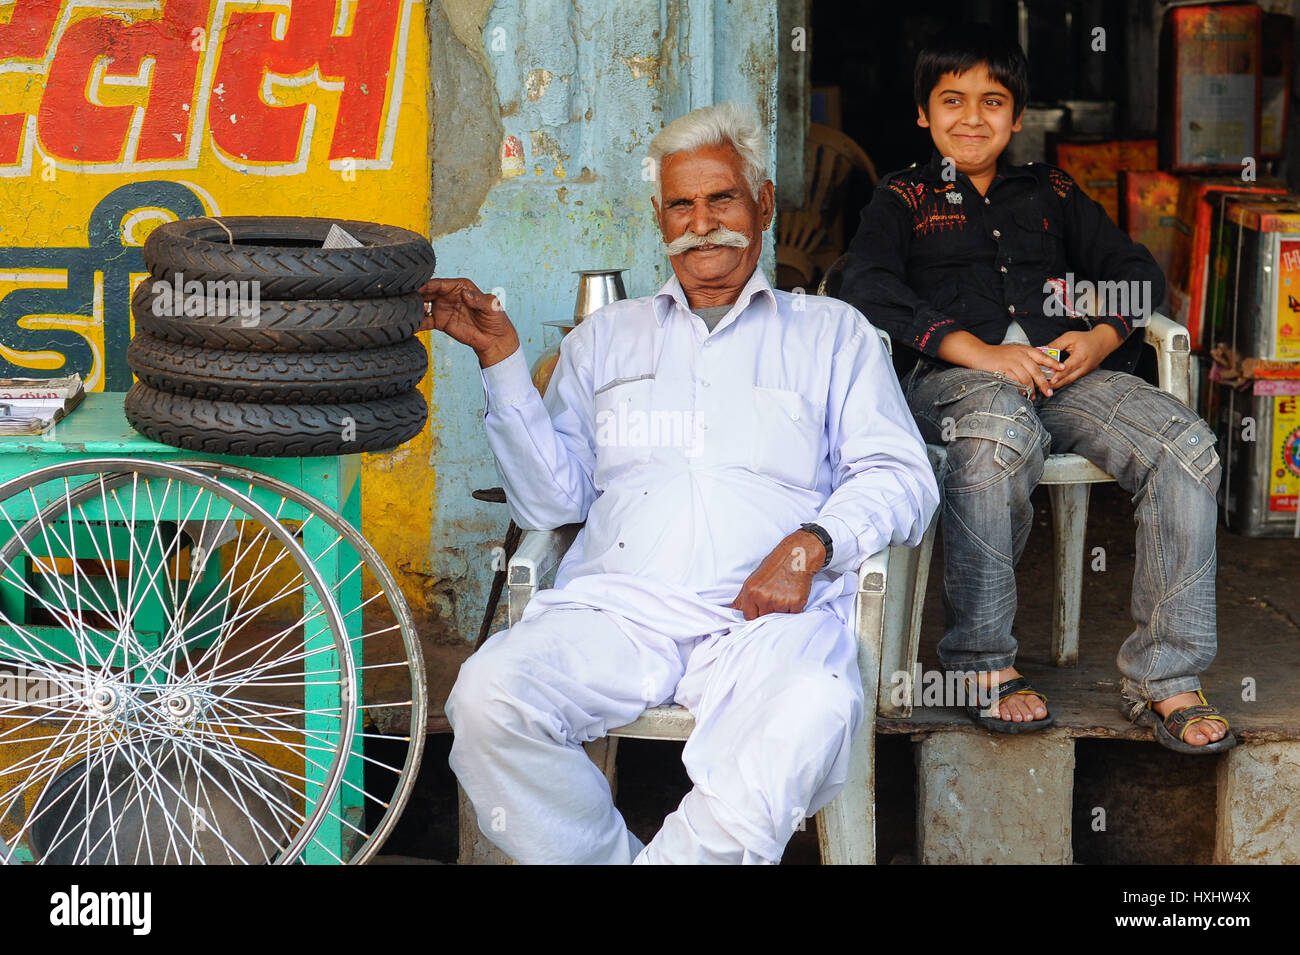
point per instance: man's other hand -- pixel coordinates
(472, 317)
(783, 580)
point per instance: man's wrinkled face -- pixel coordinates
(971, 118)
(712, 224)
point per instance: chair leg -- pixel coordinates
(604, 753)
(1070, 521)
(846, 827)
(475, 848)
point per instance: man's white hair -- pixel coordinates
(724, 123)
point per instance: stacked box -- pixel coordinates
(1259, 426)
(1095, 165)
(1189, 263)
(1210, 58)
(1259, 443)
(1220, 273)
(1148, 211)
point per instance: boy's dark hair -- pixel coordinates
(957, 48)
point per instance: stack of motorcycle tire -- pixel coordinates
(253, 339)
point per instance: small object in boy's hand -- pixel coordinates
(1056, 354)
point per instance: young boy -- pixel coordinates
(947, 255)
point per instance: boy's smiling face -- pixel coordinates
(971, 118)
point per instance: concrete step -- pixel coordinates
(985, 799)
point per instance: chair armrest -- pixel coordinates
(537, 554)
(1173, 356)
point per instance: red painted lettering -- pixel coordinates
(74, 129)
(360, 62)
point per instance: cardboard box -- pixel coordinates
(1148, 211)
(1189, 263)
(1095, 165)
(1210, 70)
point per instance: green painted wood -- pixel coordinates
(98, 428)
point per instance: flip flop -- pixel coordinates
(1170, 730)
(1012, 687)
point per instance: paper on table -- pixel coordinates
(34, 405)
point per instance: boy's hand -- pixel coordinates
(1085, 351)
(457, 307)
(1022, 364)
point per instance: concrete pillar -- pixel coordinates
(1259, 805)
(987, 799)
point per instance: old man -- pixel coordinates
(735, 452)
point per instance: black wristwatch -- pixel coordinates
(819, 532)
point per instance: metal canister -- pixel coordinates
(596, 289)
(1259, 426)
(1259, 445)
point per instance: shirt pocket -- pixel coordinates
(622, 420)
(1042, 235)
(788, 431)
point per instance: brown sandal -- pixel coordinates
(1171, 729)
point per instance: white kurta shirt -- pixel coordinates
(691, 454)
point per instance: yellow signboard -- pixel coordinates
(118, 116)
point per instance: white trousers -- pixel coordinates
(776, 703)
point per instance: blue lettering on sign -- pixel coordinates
(105, 252)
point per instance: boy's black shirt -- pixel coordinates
(923, 264)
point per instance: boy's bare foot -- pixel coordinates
(1200, 732)
(1022, 707)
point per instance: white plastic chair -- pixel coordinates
(846, 827)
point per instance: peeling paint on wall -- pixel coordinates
(536, 84)
(464, 106)
(643, 67)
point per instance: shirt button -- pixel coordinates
(997, 233)
(708, 342)
(1002, 269)
(794, 416)
(1011, 309)
(704, 384)
(986, 200)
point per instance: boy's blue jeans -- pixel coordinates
(1156, 448)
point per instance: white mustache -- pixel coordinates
(719, 236)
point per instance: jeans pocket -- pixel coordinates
(1011, 437)
(1194, 446)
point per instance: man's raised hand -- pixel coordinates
(472, 317)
